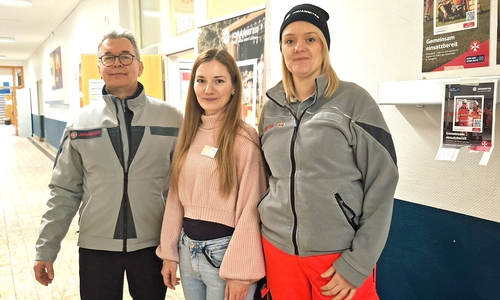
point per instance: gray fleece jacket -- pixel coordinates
(333, 175)
(113, 167)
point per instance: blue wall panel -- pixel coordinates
(38, 125)
(437, 254)
(54, 130)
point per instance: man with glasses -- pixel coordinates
(113, 167)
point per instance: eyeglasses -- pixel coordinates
(125, 59)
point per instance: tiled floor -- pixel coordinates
(25, 169)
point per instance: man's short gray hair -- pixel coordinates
(120, 33)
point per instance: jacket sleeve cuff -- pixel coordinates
(349, 273)
(45, 256)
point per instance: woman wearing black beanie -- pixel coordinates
(333, 172)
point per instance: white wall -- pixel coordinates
(12, 63)
(373, 41)
(79, 34)
(377, 41)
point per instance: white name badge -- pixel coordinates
(209, 151)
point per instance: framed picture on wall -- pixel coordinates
(468, 113)
(242, 35)
(249, 107)
(56, 69)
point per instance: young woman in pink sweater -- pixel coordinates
(211, 226)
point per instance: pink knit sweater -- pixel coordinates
(199, 198)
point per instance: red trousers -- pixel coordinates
(291, 277)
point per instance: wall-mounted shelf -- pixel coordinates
(55, 102)
(422, 92)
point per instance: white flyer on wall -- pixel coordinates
(468, 120)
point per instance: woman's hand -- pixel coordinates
(169, 272)
(338, 286)
(236, 290)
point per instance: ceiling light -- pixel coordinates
(4, 39)
(151, 13)
(3, 56)
(16, 2)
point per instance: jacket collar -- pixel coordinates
(137, 100)
(277, 93)
(140, 88)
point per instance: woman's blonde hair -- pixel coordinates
(326, 68)
(231, 122)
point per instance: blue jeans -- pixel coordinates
(199, 263)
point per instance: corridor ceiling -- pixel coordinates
(30, 26)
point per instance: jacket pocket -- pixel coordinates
(348, 212)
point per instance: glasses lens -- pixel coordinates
(126, 59)
(108, 60)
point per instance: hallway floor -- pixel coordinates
(25, 170)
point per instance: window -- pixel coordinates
(150, 22)
(181, 17)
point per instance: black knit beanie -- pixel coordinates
(308, 13)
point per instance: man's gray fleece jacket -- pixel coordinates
(121, 201)
(333, 177)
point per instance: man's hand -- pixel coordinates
(338, 286)
(44, 272)
(236, 290)
(169, 272)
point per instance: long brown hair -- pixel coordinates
(231, 122)
(326, 68)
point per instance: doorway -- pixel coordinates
(178, 72)
(11, 79)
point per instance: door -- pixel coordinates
(23, 110)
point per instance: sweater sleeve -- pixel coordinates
(171, 228)
(244, 258)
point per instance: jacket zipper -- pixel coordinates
(292, 174)
(125, 182)
(292, 187)
(346, 210)
(125, 210)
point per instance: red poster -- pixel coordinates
(456, 34)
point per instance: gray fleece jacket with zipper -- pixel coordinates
(113, 167)
(333, 176)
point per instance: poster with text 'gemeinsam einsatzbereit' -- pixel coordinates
(456, 35)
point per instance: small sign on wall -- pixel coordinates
(184, 24)
(95, 89)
